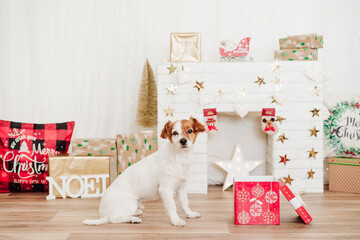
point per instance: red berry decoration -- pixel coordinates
(271, 197)
(255, 210)
(243, 217)
(258, 191)
(268, 217)
(243, 195)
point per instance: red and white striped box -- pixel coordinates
(295, 202)
(256, 200)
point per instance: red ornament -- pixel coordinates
(268, 217)
(255, 210)
(243, 217)
(258, 191)
(271, 197)
(243, 195)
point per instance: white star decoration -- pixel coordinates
(277, 82)
(276, 66)
(219, 93)
(171, 89)
(236, 167)
(241, 91)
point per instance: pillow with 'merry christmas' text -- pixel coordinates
(24, 151)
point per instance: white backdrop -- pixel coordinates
(82, 60)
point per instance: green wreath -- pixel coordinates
(331, 123)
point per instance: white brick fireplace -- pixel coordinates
(295, 94)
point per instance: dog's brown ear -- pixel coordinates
(165, 133)
(198, 127)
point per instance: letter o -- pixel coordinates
(81, 190)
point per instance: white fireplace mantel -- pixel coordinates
(296, 98)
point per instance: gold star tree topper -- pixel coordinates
(314, 131)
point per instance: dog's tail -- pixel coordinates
(96, 221)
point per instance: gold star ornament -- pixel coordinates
(169, 111)
(260, 81)
(274, 100)
(312, 153)
(315, 91)
(199, 85)
(288, 179)
(219, 93)
(315, 112)
(171, 90)
(280, 119)
(171, 69)
(314, 131)
(282, 138)
(284, 159)
(311, 174)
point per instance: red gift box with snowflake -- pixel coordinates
(257, 200)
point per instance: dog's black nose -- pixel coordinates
(183, 141)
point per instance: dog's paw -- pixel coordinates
(138, 212)
(178, 222)
(193, 215)
(135, 220)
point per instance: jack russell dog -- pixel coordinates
(157, 175)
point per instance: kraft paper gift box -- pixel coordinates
(295, 201)
(134, 147)
(78, 176)
(344, 174)
(97, 147)
(256, 200)
(301, 41)
(303, 54)
(185, 47)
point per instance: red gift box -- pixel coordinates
(295, 202)
(257, 200)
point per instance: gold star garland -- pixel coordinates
(260, 81)
(315, 112)
(314, 131)
(171, 69)
(282, 138)
(311, 174)
(199, 85)
(284, 159)
(169, 111)
(274, 100)
(280, 119)
(288, 179)
(312, 153)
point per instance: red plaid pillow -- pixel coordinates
(24, 150)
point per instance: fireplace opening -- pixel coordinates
(233, 130)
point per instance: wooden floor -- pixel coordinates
(29, 216)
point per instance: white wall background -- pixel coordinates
(82, 60)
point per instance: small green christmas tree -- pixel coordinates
(147, 104)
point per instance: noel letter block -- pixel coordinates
(344, 174)
(97, 147)
(185, 47)
(78, 176)
(256, 200)
(134, 147)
